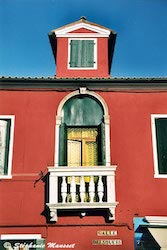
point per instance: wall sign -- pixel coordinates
(106, 233)
(107, 242)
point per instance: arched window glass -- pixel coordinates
(82, 132)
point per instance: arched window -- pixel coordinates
(82, 130)
(81, 133)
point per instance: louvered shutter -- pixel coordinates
(63, 145)
(82, 53)
(101, 144)
(4, 145)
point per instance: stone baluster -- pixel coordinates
(73, 189)
(91, 189)
(64, 189)
(82, 189)
(100, 189)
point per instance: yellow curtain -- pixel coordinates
(82, 148)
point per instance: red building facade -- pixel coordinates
(82, 154)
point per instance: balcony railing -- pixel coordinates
(82, 188)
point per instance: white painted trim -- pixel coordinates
(106, 121)
(20, 236)
(95, 54)
(154, 143)
(163, 176)
(64, 30)
(92, 35)
(12, 118)
(156, 220)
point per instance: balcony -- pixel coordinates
(82, 188)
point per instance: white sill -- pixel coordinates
(82, 68)
(163, 176)
(5, 177)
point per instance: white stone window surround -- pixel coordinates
(95, 54)
(106, 122)
(154, 143)
(10, 157)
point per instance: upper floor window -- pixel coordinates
(85, 180)
(82, 137)
(159, 130)
(6, 144)
(82, 53)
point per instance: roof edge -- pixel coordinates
(101, 84)
(82, 22)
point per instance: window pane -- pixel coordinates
(91, 156)
(74, 153)
(161, 133)
(82, 111)
(82, 146)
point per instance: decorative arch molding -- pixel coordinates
(83, 91)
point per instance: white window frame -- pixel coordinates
(10, 156)
(95, 54)
(154, 142)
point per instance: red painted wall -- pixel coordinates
(137, 191)
(78, 237)
(62, 60)
(82, 30)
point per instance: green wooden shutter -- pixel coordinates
(7, 146)
(63, 145)
(74, 53)
(101, 144)
(82, 53)
(4, 145)
(89, 53)
(161, 135)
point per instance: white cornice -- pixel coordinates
(156, 220)
(82, 35)
(95, 29)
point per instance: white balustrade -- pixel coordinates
(64, 189)
(92, 189)
(97, 192)
(82, 189)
